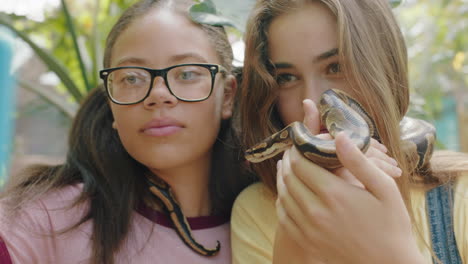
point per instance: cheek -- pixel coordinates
(125, 123)
(290, 106)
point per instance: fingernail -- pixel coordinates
(384, 148)
(348, 145)
(394, 162)
(399, 171)
(278, 165)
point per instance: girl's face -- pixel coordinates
(162, 132)
(303, 46)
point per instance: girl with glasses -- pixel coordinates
(152, 169)
(358, 213)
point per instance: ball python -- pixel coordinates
(162, 190)
(341, 112)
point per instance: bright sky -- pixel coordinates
(33, 9)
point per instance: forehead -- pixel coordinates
(160, 35)
(311, 28)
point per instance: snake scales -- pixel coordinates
(162, 190)
(340, 112)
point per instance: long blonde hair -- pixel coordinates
(373, 49)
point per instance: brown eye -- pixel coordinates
(285, 78)
(334, 68)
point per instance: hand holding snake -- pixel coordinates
(332, 221)
(341, 112)
(324, 215)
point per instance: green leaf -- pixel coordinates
(237, 11)
(52, 63)
(211, 19)
(205, 13)
(395, 3)
(72, 30)
(206, 6)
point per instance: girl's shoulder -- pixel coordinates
(56, 207)
(256, 195)
(254, 205)
(461, 184)
(31, 233)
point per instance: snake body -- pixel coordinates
(341, 112)
(163, 191)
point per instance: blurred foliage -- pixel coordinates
(72, 46)
(436, 32)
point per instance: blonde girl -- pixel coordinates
(302, 213)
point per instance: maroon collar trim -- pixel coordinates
(4, 254)
(196, 223)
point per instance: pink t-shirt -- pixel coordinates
(30, 238)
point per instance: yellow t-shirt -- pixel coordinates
(254, 222)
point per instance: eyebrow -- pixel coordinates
(326, 55)
(174, 59)
(319, 58)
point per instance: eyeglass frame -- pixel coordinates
(213, 68)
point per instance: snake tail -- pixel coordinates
(162, 190)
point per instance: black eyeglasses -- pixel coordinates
(187, 82)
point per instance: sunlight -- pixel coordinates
(33, 9)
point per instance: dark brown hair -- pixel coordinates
(113, 182)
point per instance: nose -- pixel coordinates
(313, 89)
(159, 95)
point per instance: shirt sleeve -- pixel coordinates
(253, 226)
(23, 233)
(460, 216)
(34, 233)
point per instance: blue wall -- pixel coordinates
(447, 125)
(7, 102)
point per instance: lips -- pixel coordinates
(161, 127)
(323, 131)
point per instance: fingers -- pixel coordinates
(378, 145)
(287, 210)
(318, 180)
(374, 179)
(311, 116)
(390, 169)
(381, 160)
(348, 177)
(285, 204)
(293, 193)
(377, 154)
(378, 150)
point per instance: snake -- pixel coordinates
(341, 112)
(163, 191)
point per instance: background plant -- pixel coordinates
(71, 47)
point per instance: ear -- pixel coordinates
(114, 124)
(230, 89)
